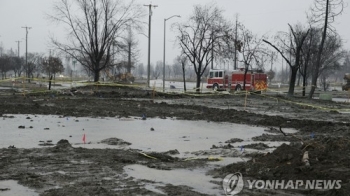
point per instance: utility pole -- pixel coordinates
(49, 69)
(49, 63)
(27, 68)
(18, 47)
(212, 49)
(1, 48)
(235, 65)
(282, 74)
(149, 43)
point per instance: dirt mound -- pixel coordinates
(63, 144)
(329, 159)
(272, 130)
(115, 141)
(172, 152)
(258, 146)
(234, 140)
(273, 138)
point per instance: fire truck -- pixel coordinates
(220, 79)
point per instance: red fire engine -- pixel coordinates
(220, 79)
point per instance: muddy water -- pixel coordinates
(342, 100)
(12, 188)
(193, 178)
(188, 137)
(167, 134)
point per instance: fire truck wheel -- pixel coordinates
(238, 88)
(215, 87)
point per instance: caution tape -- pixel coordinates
(209, 158)
(146, 155)
(187, 159)
(240, 93)
(304, 104)
(157, 90)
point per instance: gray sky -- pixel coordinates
(260, 16)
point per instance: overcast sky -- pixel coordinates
(260, 16)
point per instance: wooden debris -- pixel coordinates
(305, 159)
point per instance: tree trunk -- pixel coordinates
(96, 75)
(293, 77)
(319, 54)
(306, 65)
(198, 83)
(184, 77)
(299, 76)
(304, 80)
(50, 82)
(129, 58)
(244, 78)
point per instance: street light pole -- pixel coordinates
(165, 19)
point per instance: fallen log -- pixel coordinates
(305, 159)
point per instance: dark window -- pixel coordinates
(220, 74)
(216, 74)
(211, 74)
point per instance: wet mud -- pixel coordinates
(60, 169)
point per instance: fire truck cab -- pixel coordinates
(217, 79)
(220, 79)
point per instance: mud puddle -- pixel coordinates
(160, 135)
(12, 188)
(196, 178)
(342, 100)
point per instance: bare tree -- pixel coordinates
(5, 65)
(169, 69)
(324, 12)
(121, 69)
(177, 68)
(156, 71)
(9, 61)
(346, 63)
(291, 43)
(308, 49)
(251, 50)
(17, 66)
(182, 61)
(330, 58)
(140, 69)
(94, 26)
(324, 76)
(52, 66)
(201, 36)
(34, 64)
(128, 47)
(232, 43)
(1, 50)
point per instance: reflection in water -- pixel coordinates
(195, 178)
(168, 134)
